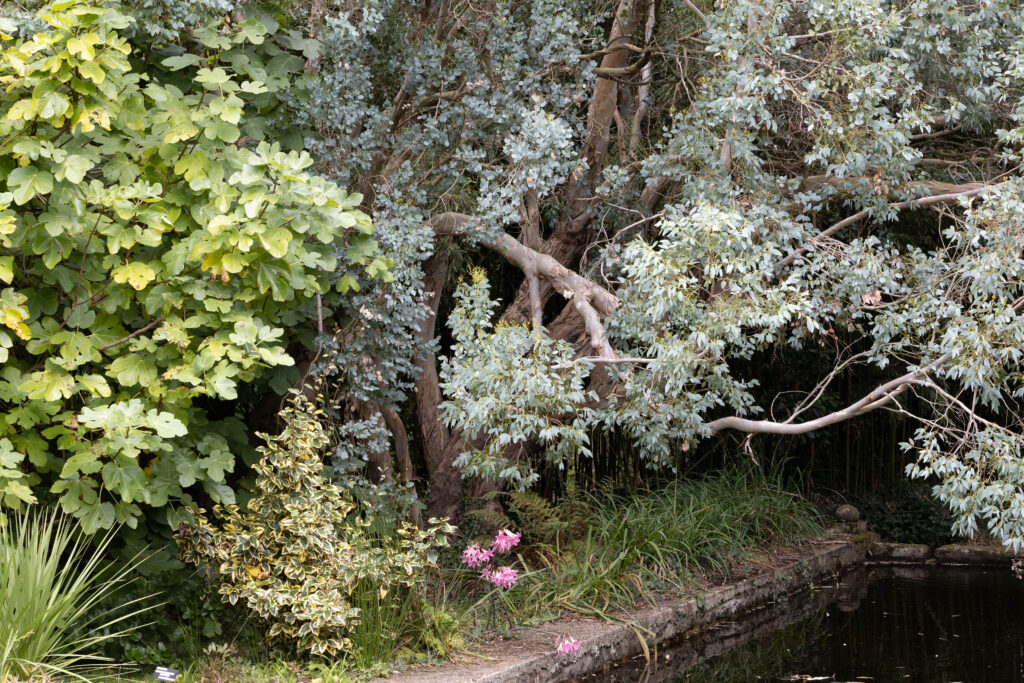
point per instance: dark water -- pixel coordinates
(927, 625)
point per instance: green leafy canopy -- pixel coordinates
(154, 248)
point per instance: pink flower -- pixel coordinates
(567, 646)
(473, 556)
(505, 577)
(505, 541)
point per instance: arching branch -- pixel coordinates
(954, 193)
(877, 398)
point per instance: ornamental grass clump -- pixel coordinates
(664, 539)
(304, 556)
(52, 584)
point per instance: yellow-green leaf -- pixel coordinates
(276, 241)
(93, 71)
(136, 274)
(95, 385)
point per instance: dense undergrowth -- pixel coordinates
(620, 550)
(593, 553)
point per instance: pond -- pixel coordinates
(884, 624)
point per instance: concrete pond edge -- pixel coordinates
(673, 619)
(611, 642)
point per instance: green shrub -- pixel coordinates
(153, 256)
(303, 556)
(51, 586)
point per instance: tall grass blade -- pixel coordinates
(51, 585)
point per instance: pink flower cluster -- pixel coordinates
(505, 541)
(567, 646)
(505, 577)
(474, 556)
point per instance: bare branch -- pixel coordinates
(598, 339)
(601, 360)
(569, 238)
(536, 311)
(590, 299)
(968, 190)
(623, 71)
(813, 396)
(436, 437)
(642, 93)
(565, 281)
(401, 438)
(529, 219)
(613, 48)
(696, 11)
(134, 334)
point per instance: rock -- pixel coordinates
(847, 513)
(900, 552)
(855, 527)
(962, 553)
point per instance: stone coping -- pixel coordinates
(952, 554)
(530, 658)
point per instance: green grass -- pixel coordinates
(235, 669)
(661, 540)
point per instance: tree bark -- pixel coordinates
(401, 439)
(572, 234)
(543, 263)
(427, 388)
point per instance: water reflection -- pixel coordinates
(929, 624)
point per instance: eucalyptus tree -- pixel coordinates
(685, 185)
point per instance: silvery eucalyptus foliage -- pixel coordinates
(687, 187)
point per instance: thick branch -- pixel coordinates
(536, 312)
(401, 438)
(569, 238)
(427, 386)
(935, 187)
(622, 71)
(642, 94)
(613, 48)
(529, 215)
(590, 299)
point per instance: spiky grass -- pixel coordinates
(51, 584)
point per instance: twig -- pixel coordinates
(134, 334)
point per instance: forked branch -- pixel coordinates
(591, 300)
(878, 397)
